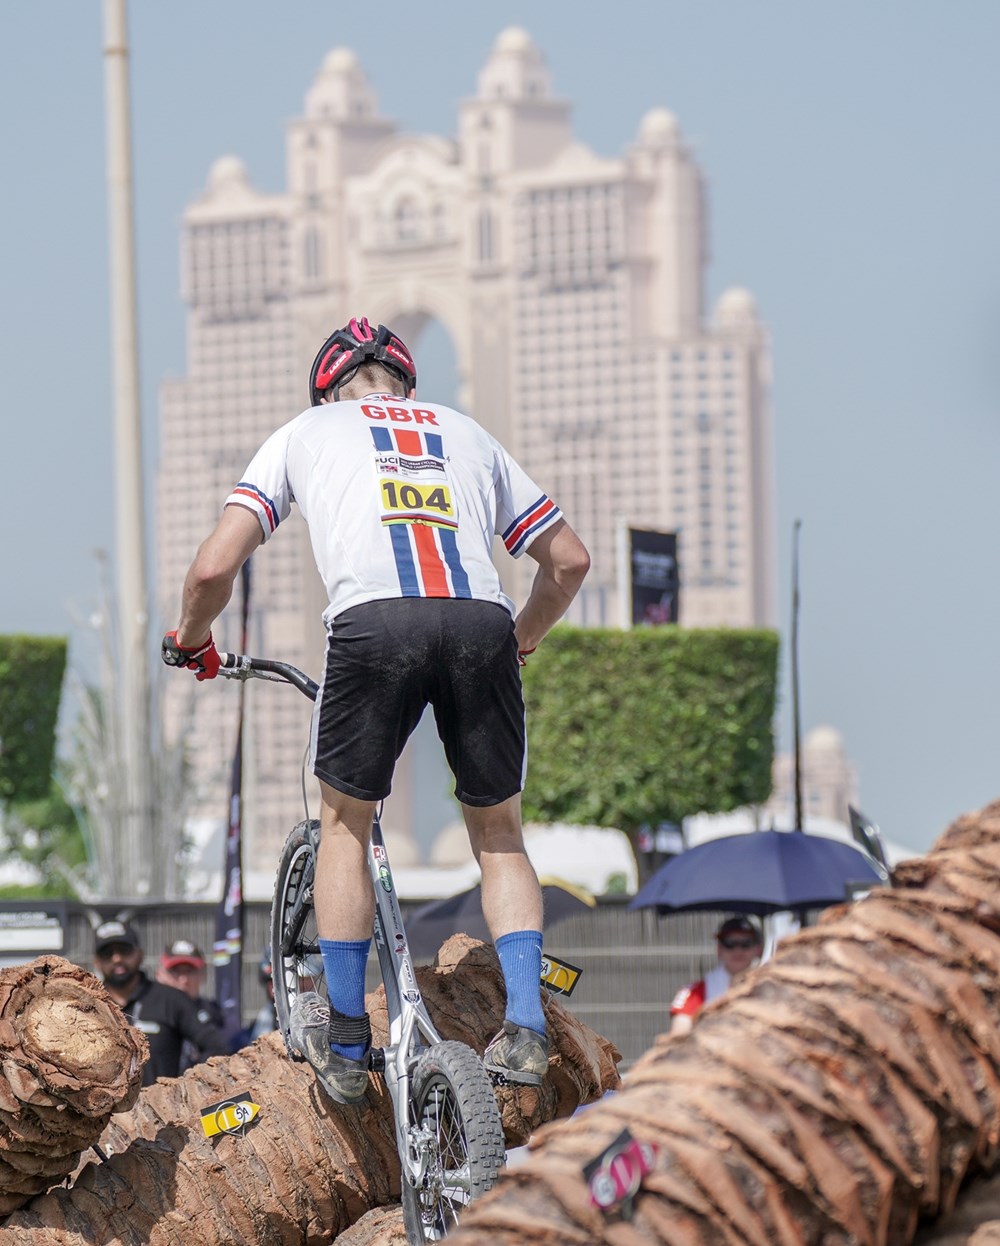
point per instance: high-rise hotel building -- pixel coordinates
(572, 287)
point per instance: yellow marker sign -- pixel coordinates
(229, 1116)
(559, 976)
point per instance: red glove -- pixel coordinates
(522, 656)
(202, 659)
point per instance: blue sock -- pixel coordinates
(345, 963)
(520, 955)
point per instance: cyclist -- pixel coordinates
(402, 499)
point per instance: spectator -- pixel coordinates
(182, 965)
(739, 945)
(164, 1014)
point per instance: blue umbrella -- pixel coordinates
(428, 926)
(761, 872)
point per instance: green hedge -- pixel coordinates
(31, 675)
(648, 725)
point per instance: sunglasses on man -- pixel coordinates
(730, 944)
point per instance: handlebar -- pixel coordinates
(242, 666)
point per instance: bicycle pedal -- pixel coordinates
(376, 1059)
(498, 1079)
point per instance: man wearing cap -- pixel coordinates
(739, 945)
(182, 965)
(165, 1015)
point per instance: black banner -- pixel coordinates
(654, 577)
(228, 947)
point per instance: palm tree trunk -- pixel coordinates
(68, 1062)
(306, 1168)
(838, 1095)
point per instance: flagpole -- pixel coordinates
(139, 871)
(795, 678)
(228, 948)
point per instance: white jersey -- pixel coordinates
(402, 499)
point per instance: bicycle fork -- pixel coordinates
(410, 1026)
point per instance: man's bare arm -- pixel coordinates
(563, 562)
(209, 581)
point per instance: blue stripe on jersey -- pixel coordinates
(526, 535)
(405, 566)
(449, 547)
(527, 511)
(262, 497)
(434, 445)
(382, 439)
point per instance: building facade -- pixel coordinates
(827, 777)
(572, 287)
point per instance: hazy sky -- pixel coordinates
(854, 187)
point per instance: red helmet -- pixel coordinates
(346, 350)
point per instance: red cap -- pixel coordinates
(182, 952)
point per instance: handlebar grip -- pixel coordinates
(242, 666)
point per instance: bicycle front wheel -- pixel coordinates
(296, 963)
(455, 1126)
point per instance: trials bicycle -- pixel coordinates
(448, 1131)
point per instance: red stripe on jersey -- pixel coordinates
(432, 570)
(408, 442)
(254, 498)
(538, 513)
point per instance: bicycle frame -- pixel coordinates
(408, 1017)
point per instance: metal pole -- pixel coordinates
(623, 573)
(795, 676)
(136, 846)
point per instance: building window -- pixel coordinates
(407, 220)
(313, 255)
(485, 237)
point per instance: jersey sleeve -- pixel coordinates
(264, 486)
(523, 510)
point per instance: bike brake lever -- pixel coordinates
(240, 668)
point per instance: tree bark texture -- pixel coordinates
(306, 1168)
(381, 1227)
(69, 1061)
(840, 1093)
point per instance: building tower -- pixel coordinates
(572, 287)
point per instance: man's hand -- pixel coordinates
(203, 659)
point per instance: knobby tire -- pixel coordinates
(302, 969)
(451, 1092)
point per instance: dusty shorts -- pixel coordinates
(386, 661)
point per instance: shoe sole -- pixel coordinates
(516, 1077)
(339, 1096)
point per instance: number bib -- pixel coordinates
(415, 490)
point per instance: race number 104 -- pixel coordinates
(410, 497)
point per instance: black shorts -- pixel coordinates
(386, 661)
